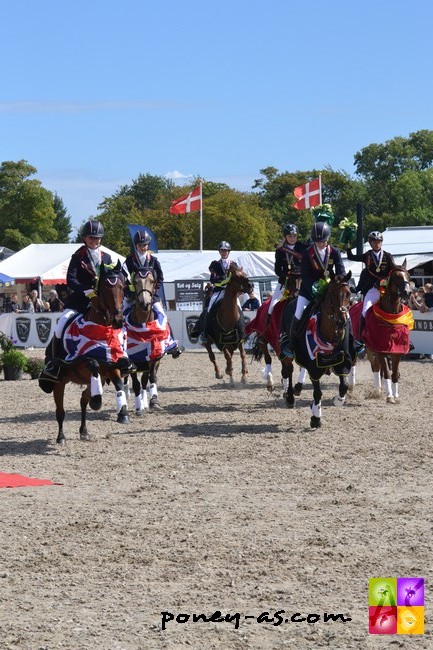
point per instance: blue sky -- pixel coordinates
(94, 93)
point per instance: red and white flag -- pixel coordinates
(308, 195)
(188, 203)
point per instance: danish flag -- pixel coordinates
(188, 203)
(308, 195)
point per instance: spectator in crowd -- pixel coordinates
(13, 305)
(428, 298)
(252, 303)
(38, 303)
(415, 300)
(27, 305)
(54, 302)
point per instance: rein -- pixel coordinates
(98, 303)
(336, 314)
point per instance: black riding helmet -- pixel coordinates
(142, 237)
(289, 229)
(92, 228)
(375, 235)
(320, 231)
(224, 246)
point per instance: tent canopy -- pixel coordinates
(46, 263)
(6, 280)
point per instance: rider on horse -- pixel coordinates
(142, 259)
(219, 272)
(81, 278)
(317, 261)
(287, 262)
(378, 264)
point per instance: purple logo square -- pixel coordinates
(410, 592)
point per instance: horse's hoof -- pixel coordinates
(155, 406)
(122, 418)
(84, 437)
(339, 401)
(219, 375)
(61, 441)
(290, 402)
(139, 412)
(315, 423)
(390, 400)
(297, 389)
(95, 402)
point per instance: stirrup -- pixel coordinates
(177, 351)
(51, 372)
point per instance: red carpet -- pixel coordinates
(17, 480)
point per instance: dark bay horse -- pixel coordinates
(267, 328)
(323, 342)
(386, 332)
(103, 330)
(224, 324)
(147, 339)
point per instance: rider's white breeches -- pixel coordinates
(275, 297)
(371, 297)
(301, 303)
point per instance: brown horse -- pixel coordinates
(267, 328)
(136, 318)
(386, 332)
(322, 342)
(224, 324)
(106, 312)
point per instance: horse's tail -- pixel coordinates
(256, 349)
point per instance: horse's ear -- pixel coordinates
(347, 277)
(404, 263)
(118, 266)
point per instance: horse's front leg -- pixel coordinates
(153, 387)
(58, 394)
(267, 370)
(85, 397)
(95, 400)
(121, 403)
(228, 355)
(140, 395)
(212, 358)
(287, 374)
(340, 399)
(244, 367)
(389, 378)
(395, 377)
(316, 405)
(300, 383)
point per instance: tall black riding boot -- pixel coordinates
(287, 341)
(53, 352)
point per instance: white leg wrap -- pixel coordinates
(395, 390)
(143, 397)
(316, 409)
(153, 390)
(285, 384)
(137, 403)
(352, 376)
(120, 399)
(376, 380)
(266, 371)
(95, 385)
(301, 376)
(388, 387)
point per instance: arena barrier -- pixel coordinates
(35, 330)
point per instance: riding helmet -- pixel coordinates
(320, 231)
(142, 237)
(92, 228)
(375, 235)
(290, 229)
(224, 246)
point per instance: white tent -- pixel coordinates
(44, 263)
(190, 265)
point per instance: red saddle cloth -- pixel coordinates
(270, 330)
(384, 333)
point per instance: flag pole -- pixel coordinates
(201, 217)
(320, 188)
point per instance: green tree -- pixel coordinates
(62, 221)
(25, 204)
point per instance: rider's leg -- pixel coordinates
(287, 341)
(55, 349)
(371, 297)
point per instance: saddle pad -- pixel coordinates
(86, 339)
(314, 343)
(148, 341)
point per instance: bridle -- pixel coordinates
(338, 299)
(100, 306)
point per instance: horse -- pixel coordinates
(100, 358)
(148, 339)
(386, 332)
(224, 324)
(267, 329)
(323, 342)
